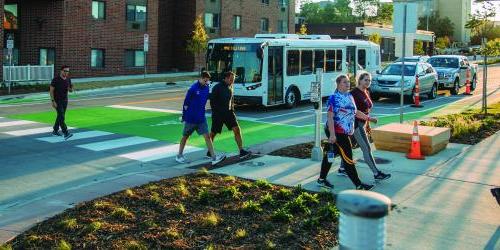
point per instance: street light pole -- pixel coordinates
(403, 67)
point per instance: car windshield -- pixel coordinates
(395, 69)
(408, 59)
(444, 62)
(243, 59)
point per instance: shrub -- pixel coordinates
(5, 247)
(205, 183)
(298, 189)
(298, 205)
(329, 212)
(121, 213)
(309, 199)
(63, 245)
(203, 172)
(172, 233)
(129, 193)
(182, 190)
(245, 186)
(284, 193)
(102, 204)
(155, 198)
(251, 207)
(93, 227)
(204, 196)
(211, 219)
(229, 178)
(231, 192)
(179, 208)
(262, 183)
(135, 245)
(240, 233)
(281, 215)
(267, 199)
(311, 223)
(68, 224)
(152, 187)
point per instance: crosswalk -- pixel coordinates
(134, 148)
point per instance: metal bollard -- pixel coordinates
(362, 219)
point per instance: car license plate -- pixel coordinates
(395, 89)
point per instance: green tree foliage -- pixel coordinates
(384, 14)
(312, 12)
(199, 40)
(418, 48)
(365, 8)
(441, 26)
(338, 12)
(492, 48)
(480, 23)
(442, 42)
(375, 37)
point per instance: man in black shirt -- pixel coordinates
(222, 105)
(59, 88)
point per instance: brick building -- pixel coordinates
(105, 37)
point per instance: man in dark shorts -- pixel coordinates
(193, 115)
(222, 104)
(59, 88)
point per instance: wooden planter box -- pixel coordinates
(397, 137)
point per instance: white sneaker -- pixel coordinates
(180, 159)
(218, 159)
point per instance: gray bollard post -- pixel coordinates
(362, 219)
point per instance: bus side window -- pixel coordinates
(330, 61)
(306, 62)
(293, 58)
(319, 60)
(362, 58)
(339, 60)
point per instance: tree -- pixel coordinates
(375, 37)
(440, 26)
(384, 14)
(479, 22)
(365, 8)
(312, 12)
(199, 40)
(418, 48)
(492, 48)
(303, 29)
(338, 12)
(442, 42)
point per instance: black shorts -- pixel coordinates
(228, 119)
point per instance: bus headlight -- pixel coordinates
(254, 86)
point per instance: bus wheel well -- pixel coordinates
(292, 97)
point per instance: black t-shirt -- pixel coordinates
(221, 99)
(61, 87)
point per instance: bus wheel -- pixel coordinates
(291, 98)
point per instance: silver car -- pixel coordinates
(388, 82)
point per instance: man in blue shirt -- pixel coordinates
(193, 115)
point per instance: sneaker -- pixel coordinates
(56, 133)
(208, 156)
(180, 159)
(363, 186)
(341, 172)
(67, 135)
(325, 183)
(382, 176)
(244, 154)
(218, 159)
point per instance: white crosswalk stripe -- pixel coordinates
(116, 143)
(32, 131)
(76, 136)
(15, 123)
(158, 153)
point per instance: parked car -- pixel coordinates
(388, 81)
(452, 70)
(413, 59)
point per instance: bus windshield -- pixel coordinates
(243, 59)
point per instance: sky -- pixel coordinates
(474, 6)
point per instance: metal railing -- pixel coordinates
(28, 73)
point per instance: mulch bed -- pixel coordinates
(198, 211)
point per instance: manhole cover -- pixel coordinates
(378, 160)
(252, 164)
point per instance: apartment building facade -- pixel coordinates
(106, 37)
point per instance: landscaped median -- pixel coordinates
(198, 211)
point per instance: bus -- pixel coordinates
(277, 69)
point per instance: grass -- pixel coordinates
(470, 126)
(43, 87)
(121, 221)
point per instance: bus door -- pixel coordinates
(275, 75)
(351, 60)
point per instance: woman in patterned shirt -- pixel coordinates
(342, 112)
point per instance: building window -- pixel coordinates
(265, 2)
(97, 58)
(282, 26)
(47, 56)
(264, 25)
(237, 23)
(211, 20)
(136, 16)
(98, 10)
(134, 58)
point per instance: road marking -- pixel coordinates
(116, 143)
(158, 153)
(155, 100)
(15, 123)
(32, 131)
(146, 109)
(76, 136)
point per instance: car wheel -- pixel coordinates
(456, 87)
(291, 98)
(474, 83)
(434, 92)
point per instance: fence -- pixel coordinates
(28, 73)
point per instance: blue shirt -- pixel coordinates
(344, 109)
(193, 110)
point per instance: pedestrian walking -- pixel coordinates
(339, 126)
(222, 105)
(59, 88)
(362, 127)
(193, 115)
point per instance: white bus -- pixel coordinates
(275, 69)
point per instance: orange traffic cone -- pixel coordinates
(416, 95)
(467, 83)
(415, 145)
